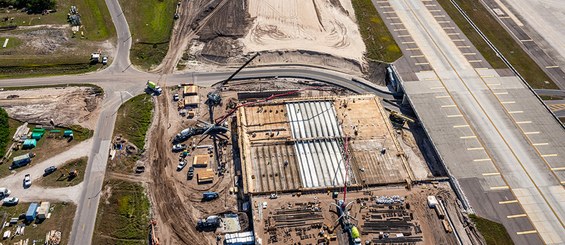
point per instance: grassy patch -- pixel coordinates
(134, 118)
(60, 178)
(151, 23)
(47, 146)
(494, 233)
(94, 14)
(61, 219)
(378, 40)
(12, 42)
(496, 33)
(123, 214)
(546, 97)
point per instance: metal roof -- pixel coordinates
(318, 143)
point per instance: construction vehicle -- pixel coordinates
(208, 129)
(153, 87)
(209, 196)
(208, 224)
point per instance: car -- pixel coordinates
(179, 147)
(49, 170)
(264, 205)
(176, 16)
(176, 97)
(181, 165)
(190, 173)
(10, 201)
(4, 192)
(105, 60)
(27, 181)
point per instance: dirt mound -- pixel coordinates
(324, 26)
(66, 106)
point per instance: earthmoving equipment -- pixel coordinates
(152, 86)
(400, 117)
(209, 195)
(214, 98)
(209, 223)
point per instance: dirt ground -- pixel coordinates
(44, 40)
(183, 197)
(79, 104)
(322, 26)
(430, 228)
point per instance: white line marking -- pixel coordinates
(442, 96)
(550, 67)
(538, 144)
(482, 160)
(459, 115)
(460, 126)
(515, 112)
(532, 132)
(558, 169)
(524, 122)
(469, 137)
(445, 106)
(499, 93)
(475, 148)
(491, 174)
(500, 187)
(516, 216)
(549, 155)
(526, 232)
(508, 202)
(508, 102)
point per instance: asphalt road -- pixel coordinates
(475, 117)
(121, 81)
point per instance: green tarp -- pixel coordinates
(29, 143)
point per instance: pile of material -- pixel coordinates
(53, 237)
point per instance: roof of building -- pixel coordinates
(191, 100)
(190, 89)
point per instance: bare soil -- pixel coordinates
(66, 106)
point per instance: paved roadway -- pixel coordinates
(539, 22)
(495, 137)
(120, 82)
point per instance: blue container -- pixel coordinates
(31, 211)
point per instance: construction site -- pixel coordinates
(279, 161)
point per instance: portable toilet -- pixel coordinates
(29, 144)
(68, 133)
(31, 212)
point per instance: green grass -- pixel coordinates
(151, 23)
(95, 17)
(61, 219)
(18, 66)
(494, 233)
(46, 147)
(378, 40)
(133, 119)
(12, 42)
(501, 39)
(60, 178)
(97, 89)
(123, 214)
(4, 132)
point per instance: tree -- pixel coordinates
(38, 6)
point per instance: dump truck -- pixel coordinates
(209, 195)
(152, 86)
(21, 161)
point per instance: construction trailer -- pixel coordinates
(205, 176)
(201, 161)
(31, 212)
(22, 160)
(190, 90)
(191, 101)
(29, 144)
(43, 210)
(242, 238)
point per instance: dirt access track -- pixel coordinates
(325, 26)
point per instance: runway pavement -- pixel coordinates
(493, 134)
(538, 25)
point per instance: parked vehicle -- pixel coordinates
(209, 195)
(22, 160)
(4, 192)
(10, 201)
(105, 60)
(176, 97)
(190, 173)
(27, 181)
(209, 223)
(179, 147)
(181, 165)
(49, 170)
